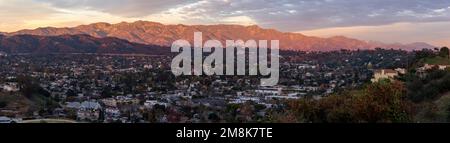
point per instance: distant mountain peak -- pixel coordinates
(155, 33)
(100, 24)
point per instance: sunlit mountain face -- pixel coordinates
(387, 21)
(152, 33)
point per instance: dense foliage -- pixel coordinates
(380, 102)
(413, 97)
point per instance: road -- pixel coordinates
(49, 121)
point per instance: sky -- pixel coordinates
(389, 21)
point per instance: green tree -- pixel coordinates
(3, 104)
(444, 52)
(448, 113)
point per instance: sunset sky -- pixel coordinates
(388, 21)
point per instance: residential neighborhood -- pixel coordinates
(139, 89)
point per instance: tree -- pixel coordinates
(384, 101)
(213, 117)
(30, 87)
(71, 93)
(424, 53)
(444, 52)
(433, 86)
(448, 113)
(106, 92)
(3, 104)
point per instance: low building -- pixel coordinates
(110, 102)
(268, 91)
(431, 66)
(73, 105)
(126, 100)
(3, 54)
(112, 114)
(282, 97)
(152, 103)
(401, 70)
(384, 74)
(6, 120)
(241, 100)
(89, 111)
(10, 87)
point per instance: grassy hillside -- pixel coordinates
(437, 60)
(10, 104)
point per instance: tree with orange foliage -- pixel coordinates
(384, 101)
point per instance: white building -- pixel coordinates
(430, 66)
(268, 91)
(3, 54)
(384, 74)
(152, 103)
(241, 100)
(10, 87)
(6, 120)
(401, 70)
(282, 97)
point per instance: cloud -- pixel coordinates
(15, 13)
(203, 12)
(292, 15)
(287, 15)
(28, 14)
(431, 32)
(127, 8)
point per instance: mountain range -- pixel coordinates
(152, 33)
(74, 44)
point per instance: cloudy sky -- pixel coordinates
(388, 21)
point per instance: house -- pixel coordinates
(152, 103)
(401, 70)
(6, 120)
(431, 66)
(126, 100)
(112, 114)
(3, 54)
(282, 97)
(148, 66)
(268, 91)
(110, 102)
(241, 100)
(384, 74)
(10, 87)
(73, 105)
(443, 67)
(311, 88)
(422, 71)
(89, 110)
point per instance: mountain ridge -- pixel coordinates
(35, 44)
(154, 33)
